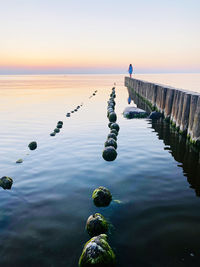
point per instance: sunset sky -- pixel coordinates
(99, 36)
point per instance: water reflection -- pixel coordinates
(184, 153)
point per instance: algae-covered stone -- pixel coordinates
(96, 224)
(112, 117)
(56, 130)
(111, 142)
(52, 134)
(109, 153)
(6, 182)
(114, 131)
(113, 136)
(19, 161)
(133, 112)
(32, 145)
(101, 196)
(97, 253)
(114, 126)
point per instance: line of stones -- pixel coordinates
(7, 182)
(97, 251)
(109, 152)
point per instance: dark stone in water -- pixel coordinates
(68, 115)
(115, 126)
(97, 253)
(32, 145)
(112, 117)
(6, 182)
(96, 224)
(111, 142)
(155, 115)
(109, 112)
(60, 122)
(113, 136)
(101, 196)
(109, 153)
(114, 131)
(133, 112)
(56, 130)
(52, 134)
(59, 126)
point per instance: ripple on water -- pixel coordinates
(43, 216)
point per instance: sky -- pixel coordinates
(99, 36)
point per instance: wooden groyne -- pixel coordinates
(180, 107)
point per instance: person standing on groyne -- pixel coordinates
(130, 70)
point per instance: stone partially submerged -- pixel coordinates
(32, 145)
(155, 115)
(19, 161)
(101, 196)
(134, 112)
(111, 142)
(114, 126)
(97, 253)
(96, 224)
(109, 153)
(6, 182)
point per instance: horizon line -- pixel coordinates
(100, 73)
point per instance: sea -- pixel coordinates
(154, 216)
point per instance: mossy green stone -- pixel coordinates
(96, 224)
(112, 117)
(114, 126)
(32, 145)
(111, 142)
(97, 253)
(56, 130)
(101, 196)
(113, 136)
(19, 161)
(6, 182)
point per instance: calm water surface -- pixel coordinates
(156, 176)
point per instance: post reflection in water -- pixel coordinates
(187, 156)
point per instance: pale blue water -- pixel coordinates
(42, 218)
